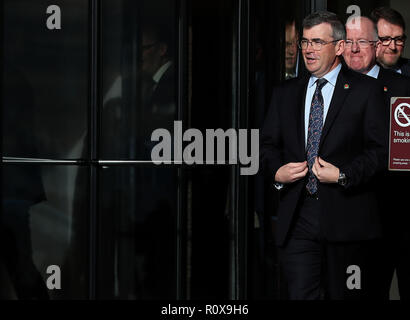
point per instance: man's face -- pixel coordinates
(152, 54)
(321, 62)
(358, 58)
(291, 53)
(388, 56)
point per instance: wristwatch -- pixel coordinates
(278, 186)
(342, 179)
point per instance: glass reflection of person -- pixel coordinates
(292, 51)
(151, 219)
(156, 89)
(157, 211)
(158, 81)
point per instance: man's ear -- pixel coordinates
(340, 47)
(378, 47)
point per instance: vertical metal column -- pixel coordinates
(239, 184)
(93, 135)
(182, 114)
(318, 5)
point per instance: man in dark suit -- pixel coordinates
(391, 31)
(394, 253)
(360, 55)
(323, 141)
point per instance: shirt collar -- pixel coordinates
(158, 75)
(374, 72)
(331, 76)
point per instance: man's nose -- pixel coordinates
(355, 47)
(392, 45)
(309, 48)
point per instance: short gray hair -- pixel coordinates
(319, 17)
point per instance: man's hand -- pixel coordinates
(291, 172)
(325, 172)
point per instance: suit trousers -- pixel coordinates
(395, 256)
(316, 269)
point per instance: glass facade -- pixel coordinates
(86, 213)
(44, 224)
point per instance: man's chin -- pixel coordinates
(311, 70)
(358, 68)
(390, 63)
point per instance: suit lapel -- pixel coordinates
(301, 101)
(340, 93)
(382, 75)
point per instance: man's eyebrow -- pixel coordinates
(314, 39)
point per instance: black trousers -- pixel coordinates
(395, 255)
(316, 269)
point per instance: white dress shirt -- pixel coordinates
(327, 93)
(374, 72)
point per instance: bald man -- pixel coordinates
(360, 55)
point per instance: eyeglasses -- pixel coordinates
(290, 43)
(398, 41)
(148, 46)
(362, 43)
(317, 44)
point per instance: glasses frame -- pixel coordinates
(149, 46)
(395, 39)
(319, 42)
(349, 43)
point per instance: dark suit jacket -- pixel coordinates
(395, 84)
(404, 65)
(393, 185)
(353, 139)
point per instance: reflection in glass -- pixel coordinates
(42, 223)
(137, 248)
(139, 84)
(45, 80)
(291, 49)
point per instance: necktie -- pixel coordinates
(314, 133)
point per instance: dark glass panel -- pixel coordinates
(139, 68)
(44, 222)
(137, 251)
(45, 80)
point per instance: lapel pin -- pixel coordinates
(347, 86)
(385, 89)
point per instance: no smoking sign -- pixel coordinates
(399, 146)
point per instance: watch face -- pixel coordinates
(342, 179)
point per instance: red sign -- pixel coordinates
(399, 147)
